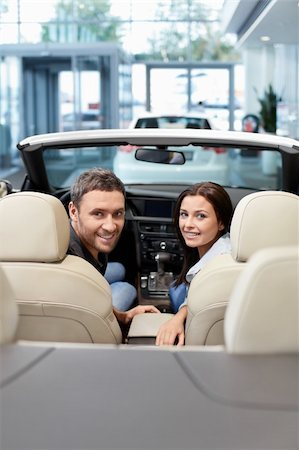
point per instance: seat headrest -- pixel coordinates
(33, 227)
(264, 219)
(8, 310)
(262, 314)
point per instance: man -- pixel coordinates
(97, 213)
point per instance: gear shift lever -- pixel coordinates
(159, 282)
(161, 258)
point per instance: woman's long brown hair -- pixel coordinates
(221, 202)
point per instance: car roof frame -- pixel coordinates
(32, 148)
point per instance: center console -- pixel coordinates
(160, 258)
(159, 254)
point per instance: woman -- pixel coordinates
(202, 218)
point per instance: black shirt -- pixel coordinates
(77, 248)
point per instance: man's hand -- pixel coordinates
(127, 316)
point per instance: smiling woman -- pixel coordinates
(202, 218)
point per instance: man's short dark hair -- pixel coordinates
(95, 179)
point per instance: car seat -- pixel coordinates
(60, 297)
(261, 220)
(262, 314)
(8, 310)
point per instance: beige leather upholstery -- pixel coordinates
(261, 220)
(263, 312)
(60, 297)
(144, 324)
(8, 311)
(144, 328)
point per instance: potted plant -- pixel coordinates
(268, 110)
(268, 117)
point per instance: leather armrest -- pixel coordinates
(147, 324)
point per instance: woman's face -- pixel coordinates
(198, 223)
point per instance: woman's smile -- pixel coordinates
(198, 223)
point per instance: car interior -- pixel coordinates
(65, 360)
(148, 247)
(65, 305)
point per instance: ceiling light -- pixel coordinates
(265, 38)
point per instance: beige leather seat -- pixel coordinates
(261, 220)
(263, 312)
(60, 297)
(8, 311)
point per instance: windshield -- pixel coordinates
(228, 166)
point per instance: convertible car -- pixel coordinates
(70, 380)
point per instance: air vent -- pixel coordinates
(154, 227)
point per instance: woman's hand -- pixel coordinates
(173, 329)
(126, 316)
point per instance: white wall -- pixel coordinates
(259, 72)
(287, 85)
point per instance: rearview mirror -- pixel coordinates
(160, 156)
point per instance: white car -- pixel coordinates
(188, 120)
(206, 163)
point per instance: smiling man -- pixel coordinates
(97, 213)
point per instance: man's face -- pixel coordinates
(99, 220)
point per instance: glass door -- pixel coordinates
(206, 89)
(80, 95)
(168, 90)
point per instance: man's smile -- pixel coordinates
(107, 237)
